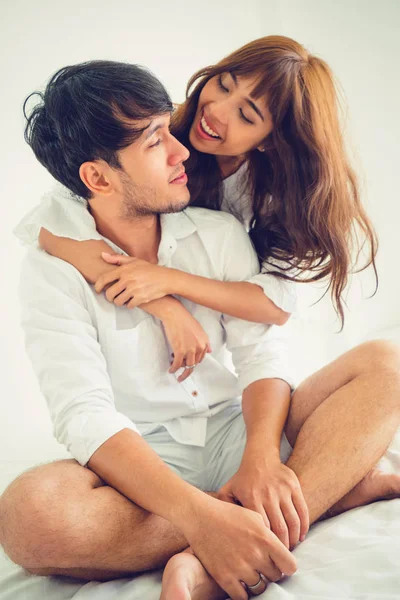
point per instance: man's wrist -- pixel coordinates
(261, 446)
(185, 513)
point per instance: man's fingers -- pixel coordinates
(278, 523)
(261, 511)
(283, 559)
(302, 510)
(292, 521)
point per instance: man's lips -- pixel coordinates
(181, 178)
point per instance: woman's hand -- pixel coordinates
(268, 487)
(135, 281)
(188, 340)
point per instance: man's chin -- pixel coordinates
(175, 207)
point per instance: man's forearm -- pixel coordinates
(265, 409)
(127, 463)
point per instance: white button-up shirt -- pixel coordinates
(103, 368)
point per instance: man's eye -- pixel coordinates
(157, 143)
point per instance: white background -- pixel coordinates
(361, 42)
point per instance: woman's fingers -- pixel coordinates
(190, 359)
(117, 259)
(177, 363)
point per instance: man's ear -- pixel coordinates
(95, 175)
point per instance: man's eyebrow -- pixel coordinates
(249, 102)
(152, 128)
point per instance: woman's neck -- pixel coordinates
(230, 164)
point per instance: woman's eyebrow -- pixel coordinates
(248, 100)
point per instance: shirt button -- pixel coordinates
(195, 393)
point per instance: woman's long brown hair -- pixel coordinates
(307, 210)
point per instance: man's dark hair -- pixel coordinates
(84, 114)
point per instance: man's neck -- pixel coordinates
(139, 236)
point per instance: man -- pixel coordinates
(153, 445)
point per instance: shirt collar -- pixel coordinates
(179, 225)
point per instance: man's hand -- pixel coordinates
(234, 545)
(265, 485)
(135, 281)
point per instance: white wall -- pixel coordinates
(174, 39)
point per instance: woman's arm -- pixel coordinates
(235, 298)
(243, 300)
(142, 281)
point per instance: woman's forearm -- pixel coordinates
(85, 256)
(240, 299)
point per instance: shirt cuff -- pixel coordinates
(265, 372)
(280, 291)
(88, 431)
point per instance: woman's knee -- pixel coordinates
(39, 510)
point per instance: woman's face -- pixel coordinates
(228, 121)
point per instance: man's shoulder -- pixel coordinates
(38, 266)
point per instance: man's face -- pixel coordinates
(153, 178)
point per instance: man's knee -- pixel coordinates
(38, 514)
(379, 356)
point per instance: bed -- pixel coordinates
(354, 556)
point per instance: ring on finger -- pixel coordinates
(190, 366)
(253, 589)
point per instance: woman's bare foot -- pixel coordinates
(185, 578)
(375, 486)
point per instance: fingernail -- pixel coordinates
(302, 538)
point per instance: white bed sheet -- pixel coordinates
(354, 556)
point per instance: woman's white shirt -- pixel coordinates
(237, 201)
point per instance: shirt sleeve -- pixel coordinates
(62, 213)
(282, 292)
(61, 342)
(259, 351)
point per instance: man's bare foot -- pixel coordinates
(185, 578)
(375, 486)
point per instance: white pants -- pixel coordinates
(209, 468)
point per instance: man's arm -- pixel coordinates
(260, 356)
(62, 344)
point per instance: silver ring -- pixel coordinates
(190, 366)
(253, 588)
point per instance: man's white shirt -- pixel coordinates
(104, 368)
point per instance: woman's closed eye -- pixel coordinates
(157, 143)
(226, 90)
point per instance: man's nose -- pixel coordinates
(179, 153)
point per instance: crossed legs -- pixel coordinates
(61, 518)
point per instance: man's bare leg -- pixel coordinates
(60, 519)
(341, 421)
